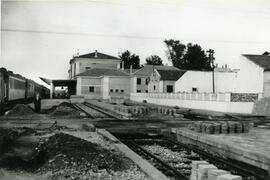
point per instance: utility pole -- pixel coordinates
(211, 56)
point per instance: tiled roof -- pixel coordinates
(94, 55)
(170, 75)
(147, 70)
(97, 72)
(260, 60)
(128, 70)
(97, 55)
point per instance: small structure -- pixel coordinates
(141, 78)
(163, 79)
(103, 83)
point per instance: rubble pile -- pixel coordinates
(20, 110)
(73, 158)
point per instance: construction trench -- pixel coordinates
(105, 140)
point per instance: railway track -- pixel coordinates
(111, 115)
(96, 112)
(156, 151)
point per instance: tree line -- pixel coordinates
(188, 57)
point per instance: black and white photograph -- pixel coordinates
(135, 90)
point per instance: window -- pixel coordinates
(146, 91)
(194, 89)
(138, 91)
(111, 90)
(116, 90)
(139, 81)
(122, 90)
(146, 81)
(169, 88)
(87, 68)
(91, 89)
(154, 88)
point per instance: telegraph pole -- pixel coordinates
(211, 56)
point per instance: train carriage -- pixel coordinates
(17, 86)
(30, 91)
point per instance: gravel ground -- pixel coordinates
(177, 160)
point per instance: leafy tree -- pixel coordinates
(190, 56)
(130, 59)
(175, 52)
(154, 60)
(266, 53)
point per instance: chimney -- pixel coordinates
(122, 65)
(96, 54)
(130, 70)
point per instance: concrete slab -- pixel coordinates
(252, 148)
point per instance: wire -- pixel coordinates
(131, 36)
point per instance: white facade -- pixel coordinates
(250, 77)
(266, 84)
(103, 87)
(202, 81)
(204, 101)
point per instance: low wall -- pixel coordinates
(213, 102)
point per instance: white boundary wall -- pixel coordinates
(206, 101)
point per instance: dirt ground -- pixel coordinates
(57, 145)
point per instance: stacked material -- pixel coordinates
(214, 173)
(238, 127)
(167, 111)
(194, 170)
(208, 128)
(203, 171)
(230, 127)
(137, 110)
(217, 128)
(224, 128)
(198, 126)
(229, 177)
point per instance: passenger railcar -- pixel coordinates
(17, 89)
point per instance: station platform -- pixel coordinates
(252, 148)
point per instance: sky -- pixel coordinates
(39, 37)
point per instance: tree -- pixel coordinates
(130, 59)
(189, 57)
(175, 51)
(266, 53)
(154, 60)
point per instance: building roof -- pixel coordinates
(128, 70)
(170, 74)
(95, 55)
(147, 70)
(97, 72)
(261, 60)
